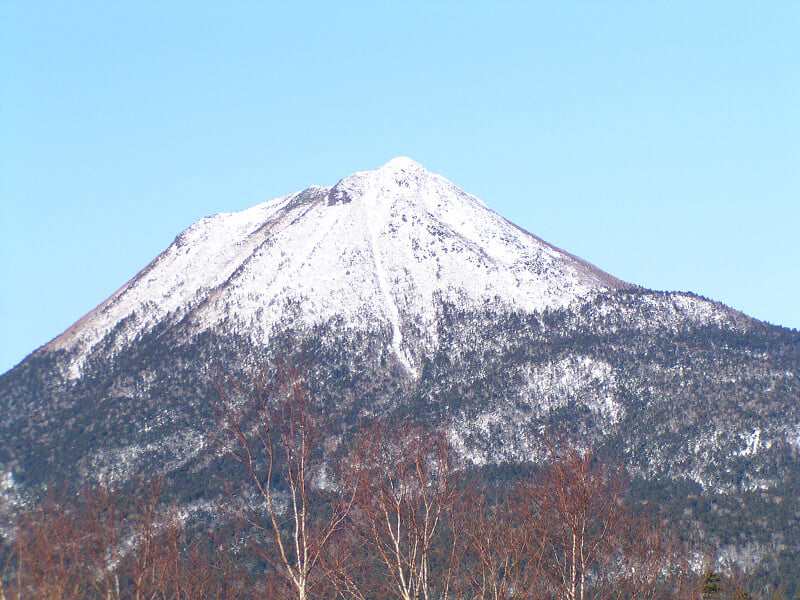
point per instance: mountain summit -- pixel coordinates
(401, 296)
(379, 247)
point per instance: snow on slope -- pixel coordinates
(379, 247)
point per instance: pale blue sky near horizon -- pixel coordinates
(659, 141)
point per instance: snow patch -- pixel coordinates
(793, 436)
(752, 443)
(581, 379)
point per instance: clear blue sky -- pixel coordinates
(659, 141)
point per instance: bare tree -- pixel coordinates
(573, 505)
(102, 523)
(651, 561)
(146, 563)
(7, 560)
(273, 432)
(185, 566)
(105, 545)
(594, 545)
(200, 569)
(496, 555)
(49, 547)
(407, 488)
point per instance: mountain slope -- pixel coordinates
(400, 294)
(380, 246)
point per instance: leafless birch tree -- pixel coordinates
(272, 431)
(407, 489)
(573, 505)
(595, 544)
(496, 557)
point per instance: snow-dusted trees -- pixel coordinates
(391, 514)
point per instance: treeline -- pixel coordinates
(391, 514)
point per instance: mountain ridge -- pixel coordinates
(384, 199)
(402, 296)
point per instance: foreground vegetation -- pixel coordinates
(393, 515)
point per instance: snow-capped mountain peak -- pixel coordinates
(398, 294)
(379, 247)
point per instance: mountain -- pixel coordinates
(401, 294)
(381, 246)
